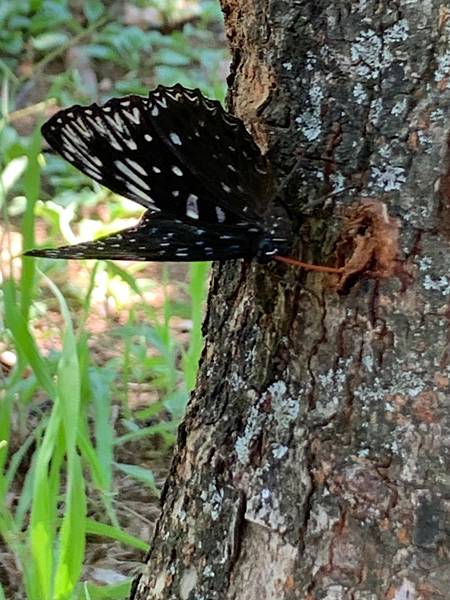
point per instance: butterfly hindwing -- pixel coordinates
(156, 239)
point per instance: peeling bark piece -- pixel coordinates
(370, 238)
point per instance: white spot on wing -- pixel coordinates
(148, 137)
(99, 125)
(175, 138)
(147, 200)
(136, 166)
(92, 173)
(220, 214)
(80, 153)
(119, 123)
(72, 134)
(192, 206)
(96, 160)
(81, 127)
(226, 188)
(131, 174)
(177, 171)
(102, 129)
(134, 115)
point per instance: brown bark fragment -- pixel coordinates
(370, 240)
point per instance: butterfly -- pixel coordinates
(205, 186)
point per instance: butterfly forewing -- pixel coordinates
(180, 157)
(116, 145)
(156, 239)
(215, 146)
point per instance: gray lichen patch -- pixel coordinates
(188, 582)
(276, 411)
(272, 575)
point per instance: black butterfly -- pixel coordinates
(206, 187)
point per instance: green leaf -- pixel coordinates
(101, 380)
(72, 536)
(68, 383)
(171, 58)
(24, 341)
(43, 512)
(139, 473)
(118, 591)
(176, 402)
(50, 40)
(32, 186)
(93, 9)
(101, 529)
(113, 269)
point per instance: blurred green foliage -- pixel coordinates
(63, 463)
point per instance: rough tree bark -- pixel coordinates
(313, 461)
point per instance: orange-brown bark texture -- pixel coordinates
(314, 459)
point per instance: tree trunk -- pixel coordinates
(313, 461)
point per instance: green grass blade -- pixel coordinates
(118, 591)
(101, 380)
(68, 382)
(72, 535)
(89, 455)
(131, 281)
(5, 426)
(140, 474)
(199, 273)
(43, 513)
(24, 342)
(31, 185)
(164, 429)
(103, 530)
